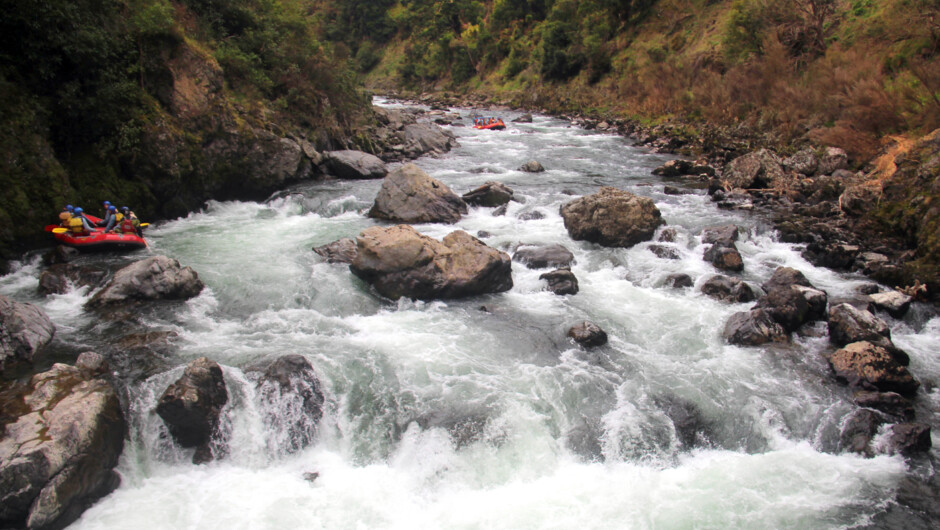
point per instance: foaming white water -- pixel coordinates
(481, 413)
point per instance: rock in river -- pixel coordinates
(871, 367)
(612, 218)
(191, 406)
(409, 195)
(24, 329)
(398, 261)
(156, 278)
(63, 434)
(354, 165)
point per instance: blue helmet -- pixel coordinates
(111, 208)
(78, 211)
(69, 207)
(124, 208)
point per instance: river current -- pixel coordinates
(481, 413)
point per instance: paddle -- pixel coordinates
(59, 230)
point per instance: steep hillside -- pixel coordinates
(161, 104)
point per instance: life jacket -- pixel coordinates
(64, 217)
(127, 225)
(77, 227)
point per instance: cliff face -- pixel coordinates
(161, 105)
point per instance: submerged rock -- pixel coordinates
(532, 166)
(409, 195)
(398, 261)
(156, 278)
(561, 281)
(678, 281)
(490, 194)
(292, 402)
(908, 439)
(542, 257)
(340, 251)
(58, 278)
(728, 289)
(62, 437)
(588, 334)
(612, 218)
(191, 406)
(753, 328)
(24, 330)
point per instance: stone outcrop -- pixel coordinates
(24, 330)
(191, 407)
(612, 218)
(561, 281)
(63, 434)
(895, 303)
(870, 367)
(848, 324)
(490, 194)
(805, 162)
(753, 328)
(291, 402)
(398, 261)
(348, 164)
(728, 289)
(556, 256)
(156, 278)
(409, 195)
(401, 137)
(588, 334)
(759, 169)
(340, 251)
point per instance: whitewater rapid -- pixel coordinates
(480, 413)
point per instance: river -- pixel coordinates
(480, 413)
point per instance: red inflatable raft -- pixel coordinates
(490, 124)
(98, 240)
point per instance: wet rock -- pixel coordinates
(24, 330)
(691, 428)
(612, 218)
(785, 277)
(340, 251)
(720, 235)
(674, 168)
(678, 281)
(58, 278)
(890, 403)
(759, 169)
(525, 118)
(501, 211)
(672, 190)
(561, 281)
(62, 437)
(354, 165)
(409, 195)
(531, 215)
(292, 402)
(191, 406)
(61, 254)
(726, 258)
(588, 334)
(848, 324)
(870, 367)
(543, 257)
(156, 278)
(532, 166)
(895, 303)
(490, 194)
(91, 364)
(838, 256)
(665, 251)
(753, 328)
(426, 138)
(804, 162)
(728, 289)
(398, 261)
(832, 160)
(908, 439)
(817, 300)
(858, 431)
(668, 235)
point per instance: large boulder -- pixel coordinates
(24, 329)
(784, 288)
(426, 138)
(785, 277)
(63, 434)
(759, 169)
(490, 194)
(870, 367)
(398, 261)
(787, 306)
(409, 195)
(292, 402)
(895, 303)
(848, 324)
(60, 277)
(156, 278)
(354, 165)
(556, 256)
(728, 289)
(340, 251)
(832, 160)
(612, 218)
(805, 162)
(724, 257)
(191, 406)
(720, 235)
(561, 281)
(753, 328)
